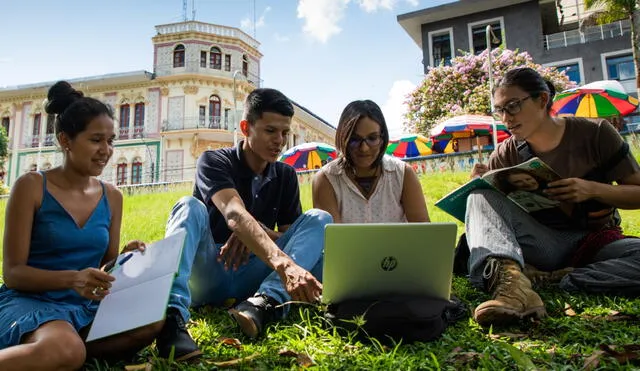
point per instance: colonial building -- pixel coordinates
(164, 118)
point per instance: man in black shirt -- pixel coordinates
(232, 250)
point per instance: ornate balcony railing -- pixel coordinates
(214, 29)
(194, 67)
(587, 34)
(34, 141)
(189, 123)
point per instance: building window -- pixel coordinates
(49, 133)
(121, 174)
(227, 62)
(35, 139)
(136, 172)
(178, 56)
(214, 112)
(6, 124)
(203, 58)
(216, 58)
(572, 71)
(202, 116)
(478, 35)
(621, 67)
(226, 118)
(245, 65)
(138, 120)
(124, 121)
(441, 44)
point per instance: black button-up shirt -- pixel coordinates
(276, 200)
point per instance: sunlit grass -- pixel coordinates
(560, 341)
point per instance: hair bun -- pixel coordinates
(60, 96)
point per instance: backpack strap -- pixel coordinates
(524, 151)
(599, 172)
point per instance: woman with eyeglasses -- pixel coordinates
(363, 185)
(586, 251)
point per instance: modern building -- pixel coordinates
(165, 118)
(558, 33)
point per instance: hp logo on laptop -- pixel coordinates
(388, 263)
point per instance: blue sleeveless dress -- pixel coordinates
(57, 243)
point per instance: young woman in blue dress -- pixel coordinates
(62, 226)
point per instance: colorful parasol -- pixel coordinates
(410, 145)
(468, 126)
(598, 99)
(309, 156)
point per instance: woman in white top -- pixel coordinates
(363, 185)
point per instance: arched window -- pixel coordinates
(121, 173)
(178, 56)
(35, 139)
(138, 120)
(245, 65)
(49, 131)
(125, 112)
(216, 58)
(136, 171)
(214, 112)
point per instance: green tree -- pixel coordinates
(4, 146)
(463, 87)
(607, 11)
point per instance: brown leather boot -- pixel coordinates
(540, 278)
(513, 297)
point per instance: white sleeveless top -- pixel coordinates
(384, 204)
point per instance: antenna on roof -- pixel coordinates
(254, 19)
(193, 10)
(184, 10)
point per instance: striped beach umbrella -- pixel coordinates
(410, 145)
(309, 156)
(605, 98)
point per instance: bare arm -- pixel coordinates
(625, 195)
(114, 196)
(324, 197)
(415, 207)
(23, 203)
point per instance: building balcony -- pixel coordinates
(587, 34)
(128, 133)
(36, 141)
(195, 123)
(194, 67)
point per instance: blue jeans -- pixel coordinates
(203, 280)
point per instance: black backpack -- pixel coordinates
(396, 318)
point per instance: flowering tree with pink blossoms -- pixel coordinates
(463, 87)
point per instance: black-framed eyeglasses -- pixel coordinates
(372, 140)
(511, 108)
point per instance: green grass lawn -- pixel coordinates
(572, 337)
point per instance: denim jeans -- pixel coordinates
(203, 280)
(496, 227)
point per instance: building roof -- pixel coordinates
(313, 114)
(412, 22)
(90, 81)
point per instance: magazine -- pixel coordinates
(523, 184)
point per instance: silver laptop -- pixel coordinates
(372, 260)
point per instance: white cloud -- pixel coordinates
(394, 108)
(281, 38)
(247, 23)
(5, 60)
(321, 17)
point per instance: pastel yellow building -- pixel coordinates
(164, 118)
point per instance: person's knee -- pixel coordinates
(65, 351)
(320, 217)
(191, 206)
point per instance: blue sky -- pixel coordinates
(321, 53)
